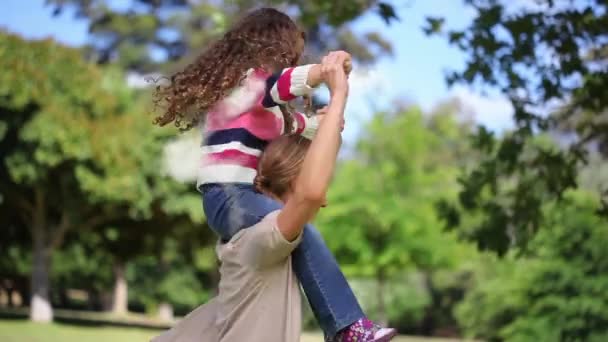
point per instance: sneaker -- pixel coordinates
(384, 334)
(365, 330)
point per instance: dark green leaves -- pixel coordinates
(434, 25)
(387, 12)
(537, 55)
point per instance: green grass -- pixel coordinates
(24, 331)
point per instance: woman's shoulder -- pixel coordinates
(264, 225)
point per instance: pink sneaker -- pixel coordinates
(365, 330)
(384, 334)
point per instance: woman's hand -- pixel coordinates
(315, 76)
(310, 187)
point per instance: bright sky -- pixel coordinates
(414, 75)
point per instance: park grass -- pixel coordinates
(23, 331)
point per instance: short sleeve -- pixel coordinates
(263, 245)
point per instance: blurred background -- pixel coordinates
(471, 199)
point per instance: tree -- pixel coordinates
(554, 293)
(76, 150)
(537, 54)
(81, 264)
(151, 239)
(174, 279)
(381, 220)
(145, 33)
(38, 147)
(139, 253)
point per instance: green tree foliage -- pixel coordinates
(558, 292)
(132, 33)
(173, 280)
(537, 54)
(81, 264)
(178, 267)
(77, 151)
(49, 102)
(381, 220)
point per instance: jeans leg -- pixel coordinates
(329, 294)
(216, 205)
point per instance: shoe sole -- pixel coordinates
(387, 337)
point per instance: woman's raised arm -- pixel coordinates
(318, 167)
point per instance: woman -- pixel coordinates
(259, 295)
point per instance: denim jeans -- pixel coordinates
(232, 207)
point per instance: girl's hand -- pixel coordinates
(348, 66)
(332, 69)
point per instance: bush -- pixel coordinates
(176, 284)
(558, 291)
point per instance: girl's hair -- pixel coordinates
(265, 38)
(280, 164)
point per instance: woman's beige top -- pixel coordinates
(259, 295)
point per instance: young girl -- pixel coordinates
(244, 82)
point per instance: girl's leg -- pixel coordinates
(230, 208)
(329, 294)
(227, 212)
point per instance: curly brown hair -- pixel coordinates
(265, 38)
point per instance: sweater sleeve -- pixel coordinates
(286, 85)
(305, 126)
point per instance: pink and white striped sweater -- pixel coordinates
(239, 127)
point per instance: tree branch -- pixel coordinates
(62, 228)
(97, 220)
(38, 213)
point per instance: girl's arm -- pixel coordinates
(317, 169)
(305, 126)
(290, 83)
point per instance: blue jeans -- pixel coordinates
(232, 207)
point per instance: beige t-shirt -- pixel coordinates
(259, 295)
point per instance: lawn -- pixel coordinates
(23, 331)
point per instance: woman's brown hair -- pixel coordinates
(280, 164)
(265, 38)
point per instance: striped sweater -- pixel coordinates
(239, 127)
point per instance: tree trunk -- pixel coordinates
(40, 304)
(428, 322)
(165, 312)
(104, 300)
(382, 314)
(62, 295)
(8, 288)
(9, 298)
(23, 290)
(4, 297)
(120, 298)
